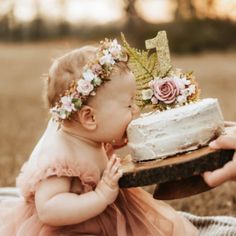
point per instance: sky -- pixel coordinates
(101, 11)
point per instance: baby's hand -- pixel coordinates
(108, 186)
(228, 172)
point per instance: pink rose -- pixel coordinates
(165, 90)
(84, 87)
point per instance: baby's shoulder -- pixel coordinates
(54, 145)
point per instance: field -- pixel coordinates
(24, 117)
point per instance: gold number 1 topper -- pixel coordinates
(160, 42)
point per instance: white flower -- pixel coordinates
(115, 49)
(107, 59)
(58, 113)
(67, 103)
(84, 87)
(115, 44)
(89, 75)
(147, 94)
(62, 114)
(186, 81)
(181, 99)
(192, 89)
(180, 82)
(189, 91)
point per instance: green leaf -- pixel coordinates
(144, 67)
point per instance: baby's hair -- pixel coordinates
(69, 67)
(64, 70)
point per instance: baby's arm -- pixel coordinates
(57, 206)
(228, 172)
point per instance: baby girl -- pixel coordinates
(70, 185)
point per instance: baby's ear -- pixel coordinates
(87, 118)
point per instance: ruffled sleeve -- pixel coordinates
(52, 157)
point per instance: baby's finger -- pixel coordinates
(220, 176)
(116, 177)
(111, 162)
(224, 142)
(119, 174)
(115, 167)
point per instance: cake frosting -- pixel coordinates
(158, 134)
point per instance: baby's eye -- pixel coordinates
(130, 106)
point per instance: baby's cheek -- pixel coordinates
(130, 117)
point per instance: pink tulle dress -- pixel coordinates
(134, 212)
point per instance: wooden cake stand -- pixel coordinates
(176, 177)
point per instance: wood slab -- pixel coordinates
(173, 168)
(181, 188)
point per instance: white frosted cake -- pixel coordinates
(161, 134)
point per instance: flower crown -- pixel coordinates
(94, 74)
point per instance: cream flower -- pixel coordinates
(192, 89)
(62, 114)
(189, 91)
(84, 87)
(181, 99)
(115, 48)
(147, 94)
(115, 45)
(180, 82)
(186, 81)
(107, 59)
(58, 113)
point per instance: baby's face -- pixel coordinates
(116, 107)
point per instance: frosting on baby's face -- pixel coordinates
(115, 106)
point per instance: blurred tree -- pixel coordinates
(131, 12)
(185, 9)
(14, 27)
(4, 23)
(37, 28)
(192, 9)
(134, 22)
(63, 27)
